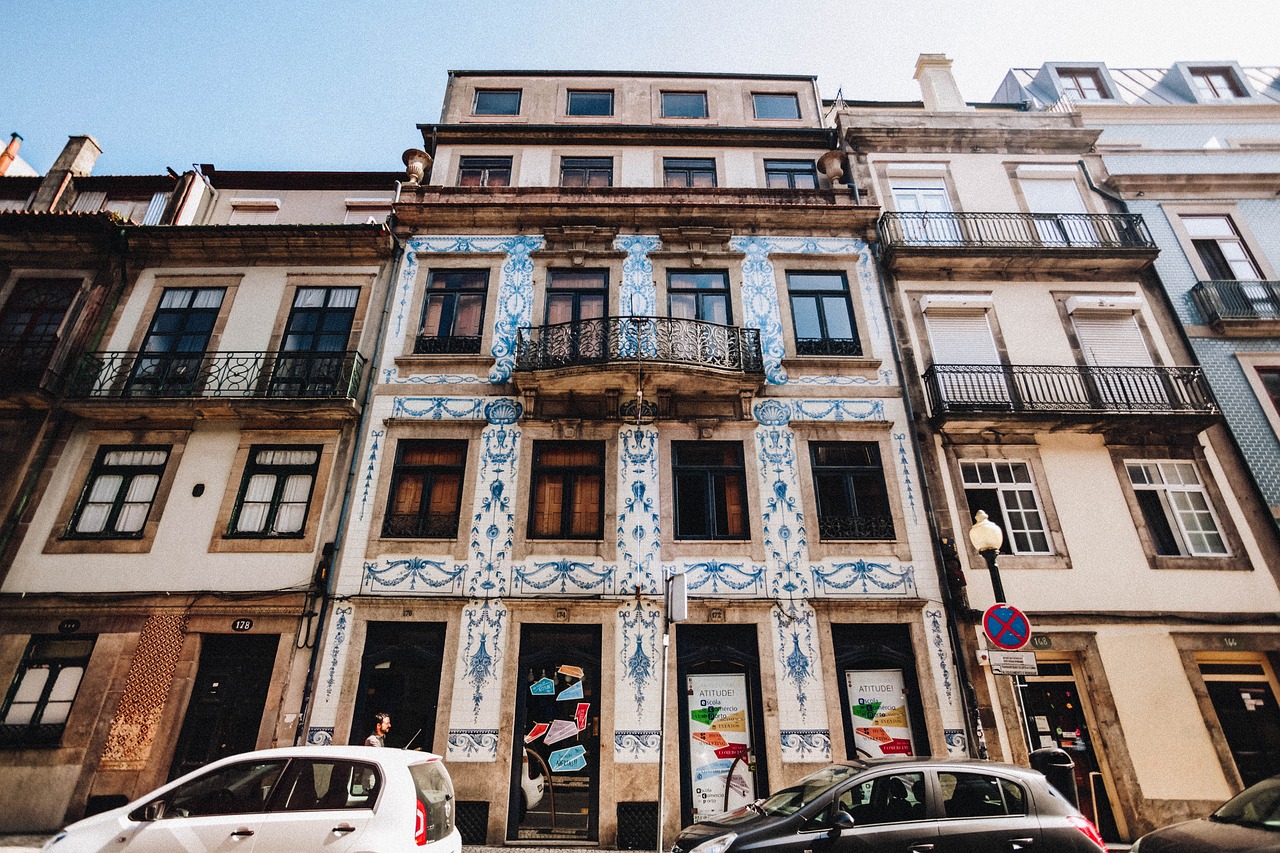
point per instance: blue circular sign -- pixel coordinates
(1006, 626)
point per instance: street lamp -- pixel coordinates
(987, 537)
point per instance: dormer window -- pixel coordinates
(1082, 84)
(1216, 84)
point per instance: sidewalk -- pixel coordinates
(33, 843)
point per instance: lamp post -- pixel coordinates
(987, 537)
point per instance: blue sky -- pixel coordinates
(279, 84)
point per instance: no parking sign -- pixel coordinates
(1006, 627)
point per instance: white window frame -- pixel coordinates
(1174, 480)
(1025, 487)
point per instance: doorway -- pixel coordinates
(227, 700)
(400, 674)
(879, 691)
(1243, 693)
(555, 758)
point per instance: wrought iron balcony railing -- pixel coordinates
(663, 340)
(1237, 301)
(1016, 230)
(828, 346)
(844, 527)
(446, 345)
(285, 375)
(421, 526)
(1067, 389)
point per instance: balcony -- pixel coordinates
(1016, 242)
(1239, 306)
(232, 377)
(855, 528)
(1088, 391)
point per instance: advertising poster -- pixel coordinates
(719, 744)
(878, 709)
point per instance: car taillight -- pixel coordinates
(1086, 826)
(420, 824)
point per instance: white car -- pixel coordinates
(334, 799)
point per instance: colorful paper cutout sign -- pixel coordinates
(538, 730)
(705, 715)
(714, 739)
(568, 760)
(714, 768)
(731, 750)
(573, 691)
(543, 687)
(561, 730)
(581, 716)
(735, 722)
(571, 671)
(866, 710)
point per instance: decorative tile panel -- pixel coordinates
(785, 538)
(477, 689)
(800, 746)
(493, 516)
(638, 295)
(637, 700)
(864, 578)
(146, 690)
(801, 694)
(639, 532)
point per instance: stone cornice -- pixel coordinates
(283, 244)
(972, 140)
(1260, 185)
(625, 135)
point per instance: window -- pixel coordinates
(886, 799)
(586, 172)
(924, 206)
(313, 361)
(118, 496)
(1270, 377)
(688, 172)
(254, 211)
(1216, 84)
(710, 490)
(497, 102)
(568, 490)
(326, 784)
(1004, 491)
(822, 314)
(784, 106)
(43, 690)
(575, 330)
(848, 481)
(684, 104)
(1047, 199)
(979, 795)
(1220, 248)
(426, 489)
(29, 327)
(276, 492)
(453, 312)
(484, 172)
(790, 175)
(243, 788)
(699, 296)
(1176, 508)
(586, 103)
(173, 350)
(1082, 84)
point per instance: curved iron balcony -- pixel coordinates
(1066, 389)
(1238, 302)
(660, 340)
(276, 375)
(1104, 231)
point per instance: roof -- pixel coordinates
(652, 74)
(1146, 86)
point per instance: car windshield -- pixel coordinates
(1257, 806)
(791, 800)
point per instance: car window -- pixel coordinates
(235, 789)
(886, 799)
(980, 795)
(318, 784)
(808, 790)
(1257, 806)
(435, 793)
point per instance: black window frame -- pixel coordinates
(173, 352)
(282, 472)
(36, 732)
(481, 94)
(571, 475)
(128, 473)
(426, 525)
(789, 170)
(714, 476)
(701, 295)
(1069, 79)
(775, 97)
(447, 295)
(569, 99)
(666, 113)
(688, 167)
(864, 513)
(825, 345)
(589, 167)
(484, 166)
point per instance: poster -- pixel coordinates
(878, 709)
(719, 745)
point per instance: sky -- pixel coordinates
(289, 84)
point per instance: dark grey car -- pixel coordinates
(908, 805)
(1249, 821)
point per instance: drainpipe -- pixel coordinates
(325, 574)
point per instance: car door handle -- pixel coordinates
(344, 827)
(242, 833)
(920, 848)
(1020, 843)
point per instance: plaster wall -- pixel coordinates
(297, 207)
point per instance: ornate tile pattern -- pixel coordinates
(493, 517)
(146, 690)
(637, 691)
(864, 578)
(638, 295)
(801, 695)
(639, 532)
(933, 620)
(370, 470)
(474, 717)
(800, 746)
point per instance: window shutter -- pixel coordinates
(961, 336)
(1111, 338)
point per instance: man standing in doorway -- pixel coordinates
(381, 725)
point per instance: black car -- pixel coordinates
(1249, 821)
(909, 805)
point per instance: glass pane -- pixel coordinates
(297, 488)
(252, 518)
(804, 310)
(132, 517)
(32, 684)
(691, 506)
(1208, 226)
(309, 297)
(20, 713)
(143, 488)
(971, 795)
(684, 306)
(836, 311)
(775, 181)
(260, 487)
(208, 298)
(93, 518)
(815, 281)
(55, 713)
(715, 309)
(431, 316)
(777, 106)
(344, 297)
(286, 457)
(497, 102)
(684, 104)
(176, 298)
(466, 322)
(290, 518)
(64, 688)
(105, 488)
(591, 103)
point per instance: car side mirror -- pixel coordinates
(153, 810)
(842, 821)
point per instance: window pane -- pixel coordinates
(105, 488)
(836, 311)
(143, 488)
(815, 281)
(497, 102)
(66, 684)
(32, 685)
(971, 795)
(804, 311)
(684, 104)
(252, 518)
(446, 494)
(290, 518)
(777, 106)
(93, 518)
(132, 517)
(585, 519)
(469, 309)
(691, 506)
(261, 487)
(548, 504)
(684, 306)
(408, 494)
(591, 103)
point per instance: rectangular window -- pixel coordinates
(313, 360)
(43, 690)
(1082, 84)
(586, 103)
(1004, 490)
(568, 490)
(688, 172)
(684, 104)
(790, 175)
(29, 327)
(1176, 508)
(172, 357)
(848, 481)
(484, 172)
(710, 490)
(426, 489)
(118, 496)
(586, 172)
(1270, 377)
(822, 314)
(1216, 84)
(275, 493)
(453, 312)
(699, 296)
(1220, 248)
(776, 106)
(497, 102)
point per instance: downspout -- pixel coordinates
(972, 723)
(325, 574)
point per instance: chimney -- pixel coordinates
(937, 87)
(76, 160)
(9, 154)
